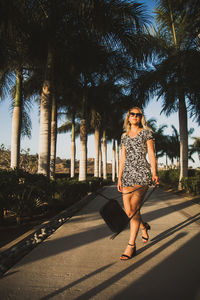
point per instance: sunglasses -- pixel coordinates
(135, 114)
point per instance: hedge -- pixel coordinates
(24, 194)
(190, 184)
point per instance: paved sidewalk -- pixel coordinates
(79, 261)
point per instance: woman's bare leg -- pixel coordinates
(131, 204)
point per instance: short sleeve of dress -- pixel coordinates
(149, 135)
(123, 140)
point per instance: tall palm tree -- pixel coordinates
(172, 78)
(54, 31)
(95, 123)
(71, 26)
(17, 122)
(113, 160)
(195, 147)
(15, 34)
(53, 136)
(174, 146)
(100, 160)
(104, 154)
(118, 23)
(160, 137)
(71, 125)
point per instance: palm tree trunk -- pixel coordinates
(45, 119)
(166, 161)
(96, 152)
(117, 159)
(113, 161)
(73, 147)
(104, 145)
(53, 137)
(83, 144)
(177, 163)
(100, 161)
(182, 120)
(172, 24)
(183, 128)
(16, 122)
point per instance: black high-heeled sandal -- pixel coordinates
(127, 257)
(147, 227)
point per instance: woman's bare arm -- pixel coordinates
(152, 159)
(121, 167)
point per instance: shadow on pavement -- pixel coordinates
(177, 227)
(158, 196)
(53, 247)
(76, 282)
(153, 215)
(97, 289)
(177, 277)
(101, 231)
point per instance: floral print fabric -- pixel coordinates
(136, 170)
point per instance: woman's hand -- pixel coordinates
(155, 179)
(119, 185)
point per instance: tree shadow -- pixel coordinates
(90, 235)
(177, 227)
(8, 274)
(67, 243)
(177, 277)
(57, 292)
(161, 212)
(165, 234)
(107, 283)
(152, 215)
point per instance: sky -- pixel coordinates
(63, 141)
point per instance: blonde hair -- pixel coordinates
(127, 125)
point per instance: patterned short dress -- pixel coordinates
(136, 170)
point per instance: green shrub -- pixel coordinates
(191, 184)
(27, 194)
(23, 193)
(169, 177)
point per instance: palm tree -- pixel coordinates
(15, 33)
(16, 122)
(71, 125)
(174, 146)
(53, 136)
(56, 24)
(104, 154)
(95, 123)
(53, 31)
(118, 23)
(195, 147)
(113, 159)
(100, 160)
(172, 78)
(160, 137)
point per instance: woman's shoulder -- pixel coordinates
(147, 130)
(124, 138)
(124, 135)
(148, 133)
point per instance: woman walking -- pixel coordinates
(135, 173)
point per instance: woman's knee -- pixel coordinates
(129, 213)
(133, 210)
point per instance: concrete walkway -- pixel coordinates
(79, 261)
